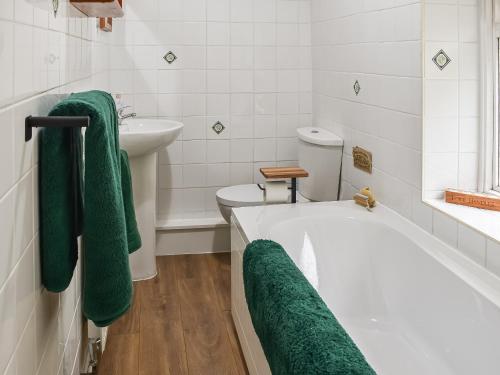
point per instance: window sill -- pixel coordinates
(484, 221)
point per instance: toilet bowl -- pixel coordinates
(243, 196)
(320, 153)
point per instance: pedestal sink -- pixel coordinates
(142, 139)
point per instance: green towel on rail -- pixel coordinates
(107, 282)
(299, 334)
(60, 201)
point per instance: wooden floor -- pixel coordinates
(180, 322)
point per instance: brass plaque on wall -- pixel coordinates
(362, 159)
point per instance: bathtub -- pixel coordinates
(412, 304)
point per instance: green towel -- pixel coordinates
(107, 282)
(60, 204)
(299, 334)
(133, 236)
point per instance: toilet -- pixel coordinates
(320, 153)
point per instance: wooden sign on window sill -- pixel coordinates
(106, 24)
(477, 200)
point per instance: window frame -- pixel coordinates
(489, 153)
(494, 185)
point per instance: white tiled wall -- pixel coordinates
(245, 63)
(41, 57)
(451, 105)
(379, 43)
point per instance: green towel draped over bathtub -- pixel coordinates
(299, 334)
(109, 225)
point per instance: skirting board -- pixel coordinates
(193, 241)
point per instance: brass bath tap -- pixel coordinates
(365, 198)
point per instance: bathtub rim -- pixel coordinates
(249, 220)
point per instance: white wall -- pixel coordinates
(451, 107)
(40, 58)
(245, 63)
(379, 43)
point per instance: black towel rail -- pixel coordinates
(54, 122)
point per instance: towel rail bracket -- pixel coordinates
(53, 122)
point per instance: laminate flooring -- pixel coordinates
(180, 322)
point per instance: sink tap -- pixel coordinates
(122, 116)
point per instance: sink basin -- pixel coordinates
(146, 136)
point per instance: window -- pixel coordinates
(489, 166)
(492, 139)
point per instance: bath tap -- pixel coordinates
(365, 198)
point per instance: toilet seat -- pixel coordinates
(244, 196)
(241, 196)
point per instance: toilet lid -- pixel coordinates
(241, 196)
(318, 136)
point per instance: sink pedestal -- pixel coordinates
(143, 169)
(142, 138)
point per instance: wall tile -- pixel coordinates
(226, 54)
(171, 10)
(194, 175)
(241, 11)
(218, 151)
(241, 150)
(7, 258)
(194, 128)
(170, 176)
(23, 59)
(11, 369)
(218, 10)
(241, 173)
(445, 228)
(8, 327)
(23, 219)
(26, 352)
(23, 11)
(467, 19)
(6, 60)
(218, 174)
(472, 243)
(493, 257)
(7, 7)
(6, 151)
(287, 149)
(52, 56)
(46, 316)
(194, 152)
(421, 213)
(452, 96)
(265, 150)
(441, 22)
(25, 292)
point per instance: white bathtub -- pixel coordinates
(412, 304)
